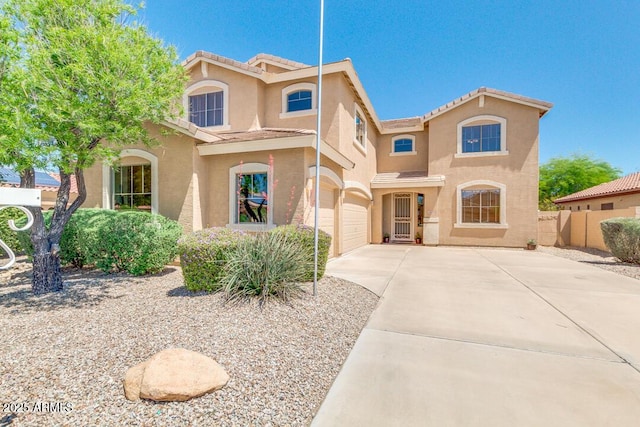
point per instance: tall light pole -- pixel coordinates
(318, 139)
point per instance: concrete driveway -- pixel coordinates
(488, 337)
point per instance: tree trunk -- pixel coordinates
(47, 276)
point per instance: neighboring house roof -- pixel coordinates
(44, 181)
(626, 184)
(74, 183)
(406, 179)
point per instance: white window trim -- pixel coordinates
(284, 114)
(413, 151)
(503, 136)
(358, 111)
(108, 177)
(213, 84)
(247, 168)
(487, 184)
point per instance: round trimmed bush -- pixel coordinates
(137, 242)
(622, 237)
(203, 255)
(305, 236)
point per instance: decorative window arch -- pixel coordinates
(481, 204)
(483, 135)
(299, 99)
(250, 202)
(109, 186)
(403, 145)
(206, 104)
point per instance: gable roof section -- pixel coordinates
(276, 60)
(542, 106)
(298, 70)
(626, 184)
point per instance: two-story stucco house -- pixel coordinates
(243, 156)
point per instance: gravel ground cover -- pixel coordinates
(71, 350)
(596, 258)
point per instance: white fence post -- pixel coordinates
(18, 198)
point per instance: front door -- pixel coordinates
(402, 217)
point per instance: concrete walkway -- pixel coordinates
(488, 337)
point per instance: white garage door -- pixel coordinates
(326, 221)
(355, 224)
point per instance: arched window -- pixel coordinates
(299, 99)
(481, 204)
(403, 145)
(207, 104)
(132, 183)
(482, 135)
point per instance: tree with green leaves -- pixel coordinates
(79, 79)
(561, 176)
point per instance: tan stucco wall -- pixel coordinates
(388, 162)
(621, 201)
(585, 226)
(518, 171)
(288, 178)
(244, 95)
(175, 177)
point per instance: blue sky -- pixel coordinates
(413, 56)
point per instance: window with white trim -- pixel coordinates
(207, 109)
(360, 136)
(403, 145)
(132, 187)
(481, 204)
(206, 104)
(299, 99)
(250, 187)
(482, 135)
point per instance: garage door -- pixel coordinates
(326, 221)
(355, 224)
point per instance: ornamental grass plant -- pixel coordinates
(267, 265)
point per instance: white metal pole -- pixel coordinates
(318, 139)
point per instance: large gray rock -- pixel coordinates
(174, 374)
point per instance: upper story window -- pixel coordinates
(299, 99)
(481, 136)
(207, 109)
(403, 145)
(360, 136)
(207, 104)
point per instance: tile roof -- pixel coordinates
(221, 59)
(401, 123)
(543, 105)
(257, 134)
(45, 181)
(407, 178)
(626, 184)
(287, 62)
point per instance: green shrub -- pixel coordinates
(622, 237)
(203, 254)
(265, 265)
(136, 242)
(7, 235)
(304, 235)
